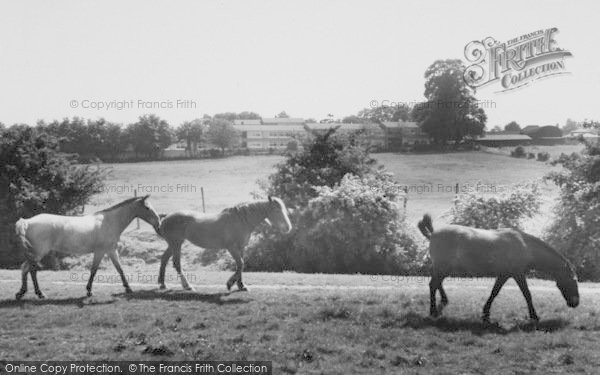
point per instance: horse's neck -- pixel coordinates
(254, 215)
(545, 259)
(120, 217)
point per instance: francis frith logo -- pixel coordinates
(515, 63)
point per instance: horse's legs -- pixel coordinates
(114, 257)
(434, 285)
(24, 270)
(522, 283)
(163, 265)
(237, 255)
(444, 300)
(177, 264)
(95, 263)
(36, 286)
(500, 280)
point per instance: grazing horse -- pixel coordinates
(97, 233)
(502, 253)
(230, 229)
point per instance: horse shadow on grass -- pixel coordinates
(475, 326)
(182, 295)
(71, 301)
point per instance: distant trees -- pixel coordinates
(450, 113)
(570, 125)
(192, 132)
(89, 139)
(149, 135)
(282, 114)
(222, 134)
(512, 126)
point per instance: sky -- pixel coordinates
(307, 57)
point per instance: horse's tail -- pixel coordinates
(25, 246)
(426, 226)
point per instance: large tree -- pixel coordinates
(150, 135)
(222, 134)
(192, 132)
(512, 126)
(451, 112)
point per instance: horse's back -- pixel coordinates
(69, 234)
(461, 250)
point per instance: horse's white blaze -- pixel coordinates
(284, 213)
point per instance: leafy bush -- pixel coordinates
(543, 156)
(356, 226)
(576, 227)
(518, 152)
(503, 210)
(346, 214)
(36, 178)
(530, 155)
(324, 161)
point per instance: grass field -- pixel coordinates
(431, 179)
(303, 323)
(332, 324)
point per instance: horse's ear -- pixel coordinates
(145, 197)
(270, 199)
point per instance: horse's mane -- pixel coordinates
(542, 244)
(121, 204)
(243, 207)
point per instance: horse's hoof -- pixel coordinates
(162, 286)
(243, 289)
(19, 295)
(229, 286)
(128, 290)
(41, 295)
(189, 288)
(89, 293)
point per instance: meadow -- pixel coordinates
(304, 323)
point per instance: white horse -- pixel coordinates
(97, 233)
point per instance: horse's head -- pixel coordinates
(567, 284)
(277, 215)
(146, 212)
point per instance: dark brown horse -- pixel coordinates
(230, 229)
(504, 253)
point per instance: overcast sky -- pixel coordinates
(309, 58)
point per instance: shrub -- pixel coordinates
(356, 226)
(576, 228)
(345, 213)
(505, 209)
(543, 156)
(36, 178)
(530, 155)
(518, 152)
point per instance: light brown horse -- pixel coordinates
(458, 250)
(97, 233)
(230, 229)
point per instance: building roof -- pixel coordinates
(342, 126)
(400, 124)
(262, 128)
(282, 120)
(247, 122)
(505, 137)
